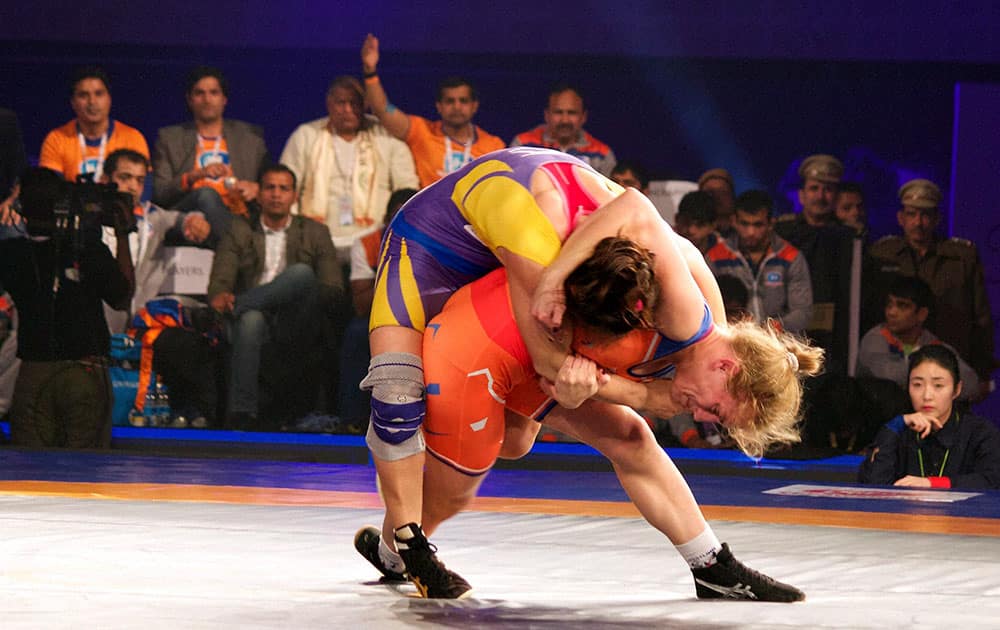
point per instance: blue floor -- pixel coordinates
(744, 490)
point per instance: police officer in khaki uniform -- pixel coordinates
(827, 247)
(819, 179)
(961, 314)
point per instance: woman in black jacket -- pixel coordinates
(936, 446)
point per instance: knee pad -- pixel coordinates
(396, 381)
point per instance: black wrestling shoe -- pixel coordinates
(729, 578)
(432, 579)
(366, 541)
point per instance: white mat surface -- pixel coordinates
(68, 563)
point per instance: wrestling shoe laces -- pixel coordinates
(729, 578)
(432, 579)
(367, 541)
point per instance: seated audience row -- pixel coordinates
(347, 164)
(812, 273)
(831, 231)
(848, 277)
(360, 166)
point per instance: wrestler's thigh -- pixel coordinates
(411, 286)
(466, 378)
(519, 435)
(599, 424)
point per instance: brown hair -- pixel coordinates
(769, 383)
(614, 290)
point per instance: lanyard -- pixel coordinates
(215, 153)
(920, 455)
(99, 168)
(450, 165)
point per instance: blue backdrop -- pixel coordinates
(679, 86)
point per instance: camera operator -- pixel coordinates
(58, 276)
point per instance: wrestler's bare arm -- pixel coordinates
(703, 277)
(549, 349)
(632, 216)
(652, 398)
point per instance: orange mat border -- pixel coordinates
(923, 523)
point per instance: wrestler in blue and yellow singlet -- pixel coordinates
(447, 235)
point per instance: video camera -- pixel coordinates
(51, 205)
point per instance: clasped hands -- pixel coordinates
(217, 170)
(922, 424)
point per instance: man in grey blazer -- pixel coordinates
(275, 278)
(210, 163)
(127, 169)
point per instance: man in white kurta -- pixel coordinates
(347, 166)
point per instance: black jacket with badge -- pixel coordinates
(966, 451)
(961, 315)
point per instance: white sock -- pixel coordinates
(700, 551)
(390, 559)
